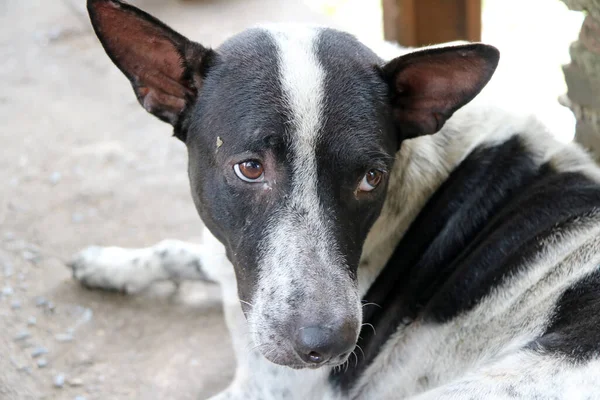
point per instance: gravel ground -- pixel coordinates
(83, 164)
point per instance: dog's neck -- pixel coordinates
(422, 165)
(465, 208)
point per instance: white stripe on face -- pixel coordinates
(303, 84)
(303, 277)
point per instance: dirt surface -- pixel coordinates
(83, 164)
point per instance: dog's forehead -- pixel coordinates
(272, 75)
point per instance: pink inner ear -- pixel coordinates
(433, 84)
(439, 78)
(145, 52)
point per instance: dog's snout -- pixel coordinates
(318, 344)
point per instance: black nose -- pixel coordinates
(319, 344)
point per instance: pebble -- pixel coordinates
(40, 301)
(55, 177)
(77, 217)
(31, 321)
(7, 291)
(22, 336)
(42, 363)
(30, 256)
(25, 368)
(75, 382)
(64, 337)
(39, 351)
(8, 270)
(15, 305)
(59, 381)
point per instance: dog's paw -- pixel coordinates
(111, 268)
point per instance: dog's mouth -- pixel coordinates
(297, 363)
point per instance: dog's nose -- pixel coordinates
(319, 344)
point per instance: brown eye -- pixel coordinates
(250, 171)
(371, 180)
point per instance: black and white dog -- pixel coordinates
(375, 236)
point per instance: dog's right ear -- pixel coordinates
(166, 69)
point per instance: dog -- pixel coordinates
(379, 229)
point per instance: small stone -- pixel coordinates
(75, 382)
(39, 351)
(15, 304)
(42, 363)
(25, 368)
(59, 381)
(64, 337)
(23, 335)
(77, 217)
(40, 301)
(30, 256)
(50, 306)
(8, 270)
(55, 177)
(31, 321)
(7, 291)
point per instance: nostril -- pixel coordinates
(318, 344)
(314, 357)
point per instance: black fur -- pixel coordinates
(351, 73)
(482, 225)
(573, 331)
(241, 104)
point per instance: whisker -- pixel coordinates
(257, 346)
(247, 303)
(372, 327)
(363, 353)
(371, 304)
(356, 359)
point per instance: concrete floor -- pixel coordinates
(83, 164)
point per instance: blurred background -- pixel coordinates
(83, 164)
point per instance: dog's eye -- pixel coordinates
(250, 171)
(371, 180)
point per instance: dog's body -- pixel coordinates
(480, 273)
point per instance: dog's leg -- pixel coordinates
(132, 270)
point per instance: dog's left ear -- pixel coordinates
(428, 86)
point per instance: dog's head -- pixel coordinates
(291, 135)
